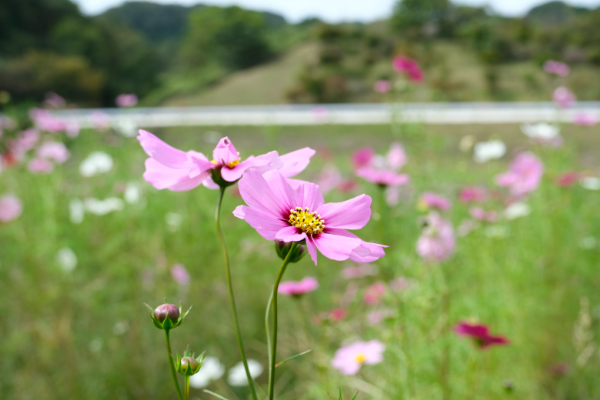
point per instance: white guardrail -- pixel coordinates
(343, 114)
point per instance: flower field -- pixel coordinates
(488, 289)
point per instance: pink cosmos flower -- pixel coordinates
(279, 212)
(374, 293)
(55, 151)
(329, 179)
(568, 179)
(298, 288)
(482, 215)
(383, 170)
(349, 359)
(180, 274)
(362, 157)
(400, 283)
(563, 97)
(437, 240)
(173, 169)
(40, 166)
(585, 119)
(472, 194)
(382, 86)
(24, 142)
(337, 314)
(411, 67)
(480, 334)
(10, 208)
(126, 100)
(359, 271)
(53, 100)
(523, 176)
(556, 67)
(432, 200)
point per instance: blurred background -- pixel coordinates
(85, 241)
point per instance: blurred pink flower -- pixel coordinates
(10, 208)
(53, 100)
(437, 239)
(523, 176)
(556, 67)
(349, 359)
(568, 179)
(279, 212)
(126, 100)
(383, 170)
(55, 151)
(362, 157)
(180, 274)
(374, 317)
(347, 185)
(320, 113)
(100, 121)
(482, 215)
(383, 178)
(360, 271)
(563, 97)
(400, 283)
(411, 67)
(298, 288)
(40, 166)
(432, 200)
(585, 119)
(173, 169)
(374, 293)
(329, 179)
(472, 194)
(337, 314)
(24, 142)
(480, 334)
(382, 86)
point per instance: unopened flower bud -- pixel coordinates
(171, 310)
(284, 248)
(189, 362)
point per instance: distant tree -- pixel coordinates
(415, 18)
(233, 37)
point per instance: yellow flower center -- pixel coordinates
(310, 223)
(361, 358)
(229, 165)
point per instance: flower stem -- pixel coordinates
(173, 373)
(236, 323)
(187, 388)
(274, 302)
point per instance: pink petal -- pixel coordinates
(366, 252)
(209, 183)
(312, 248)
(396, 157)
(336, 247)
(296, 161)
(290, 234)
(282, 190)
(350, 214)
(265, 224)
(266, 162)
(257, 193)
(225, 152)
(308, 195)
(235, 173)
(162, 177)
(162, 152)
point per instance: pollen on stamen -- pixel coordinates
(310, 223)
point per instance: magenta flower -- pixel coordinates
(24, 142)
(432, 200)
(585, 119)
(472, 194)
(279, 212)
(437, 240)
(482, 215)
(523, 176)
(40, 166)
(126, 100)
(173, 169)
(568, 178)
(411, 67)
(359, 271)
(480, 334)
(349, 359)
(382, 86)
(563, 97)
(362, 157)
(10, 208)
(383, 170)
(180, 274)
(374, 293)
(298, 288)
(556, 67)
(55, 151)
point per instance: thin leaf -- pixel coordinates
(218, 396)
(354, 397)
(292, 357)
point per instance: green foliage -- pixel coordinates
(417, 18)
(231, 36)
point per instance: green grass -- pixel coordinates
(63, 336)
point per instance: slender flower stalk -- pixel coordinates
(187, 387)
(173, 373)
(273, 352)
(231, 296)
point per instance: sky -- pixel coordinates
(332, 10)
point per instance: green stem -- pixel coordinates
(236, 323)
(187, 388)
(268, 329)
(173, 373)
(274, 302)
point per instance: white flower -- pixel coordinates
(517, 210)
(211, 370)
(590, 183)
(486, 151)
(237, 374)
(76, 211)
(103, 207)
(133, 193)
(66, 259)
(542, 131)
(96, 163)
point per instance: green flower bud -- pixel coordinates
(167, 316)
(189, 365)
(283, 248)
(188, 362)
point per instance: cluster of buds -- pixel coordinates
(167, 316)
(284, 248)
(189, 365)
